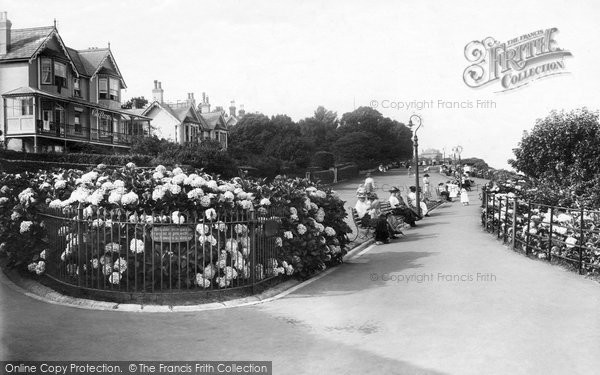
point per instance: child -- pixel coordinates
(464, 197)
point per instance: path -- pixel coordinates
(524, 317)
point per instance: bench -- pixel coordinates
(368, 231)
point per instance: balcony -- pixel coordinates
(84, 133)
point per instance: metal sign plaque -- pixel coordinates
(172, 233)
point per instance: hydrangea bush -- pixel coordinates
(120, 207)
(571, 229)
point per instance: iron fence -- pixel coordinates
(121, 252)
(547, 232)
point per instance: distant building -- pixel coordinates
(432, 155)
(184, 122)
(55, 96)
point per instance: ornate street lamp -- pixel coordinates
(458, 150)
(416, 144)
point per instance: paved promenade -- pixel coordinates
(446, 299)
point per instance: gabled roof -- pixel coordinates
(25, 42)
(214, 120)
(182, 114)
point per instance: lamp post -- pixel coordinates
(416, 143)
(458, 150)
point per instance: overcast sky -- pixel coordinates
(288, 57)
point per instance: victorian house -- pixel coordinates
(184, 122)
(54, 97)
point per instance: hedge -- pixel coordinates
(325, 177)
(348, 172)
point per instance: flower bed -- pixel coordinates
(101, 229)
(546, 232)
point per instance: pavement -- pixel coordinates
(446, 299)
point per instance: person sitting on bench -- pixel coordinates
(400, 208)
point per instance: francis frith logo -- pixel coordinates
(515, 63)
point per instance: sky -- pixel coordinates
(289, 57)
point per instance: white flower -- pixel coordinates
(563, 218)
(44, 254)
(160, 168)
(230, 273)
(60, 184)
(55, 203)
(240, 229)
(179, 179)
(228, 196)
(320, 216)
(89, 177)
(107, 269)
(330, 231)
(177, 218)
(278, 242)
(265, 202)
(289, 270)
(560, 230)
(158, 193)
(211, 214)
(120, 265)
(195, 193)
(158, 176)
(212, 184)
(301, 229)
(114, 278)
(112, 247)
(130, 165)
(205, 201)
(220, 226)
(96, 223)
(570, 241)
(319, 227)
(246, 204)
(238, 260)
(210, 239)
(223, 282)
(40, 267)
(201, 281)
(202, 229)
(4, 200)
(94, 263)
(293, 211)
(114, 197)
(288, 234)
(15, 216)
(136, 246)
(244, 242)
(197, 182)
(31, 267)
(209, 271)
(25, 226)
(231, 245)
(177, 171)
(129, 198)
(259, 272)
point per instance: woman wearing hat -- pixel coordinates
(370, 215)
(400, 208)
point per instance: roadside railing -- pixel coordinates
(124, 253)
(546, 232)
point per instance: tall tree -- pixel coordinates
(137, 102)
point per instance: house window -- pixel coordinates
(103, 88)
(76, 89)
(77, 121)
(115, 122)
(114, 89)
(27, 107)
(60, 74)
(47, 71)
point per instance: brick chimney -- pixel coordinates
(232, 109)
(242, 112)
(190, 100)
(205, 105)
(157, 92)
(5, 25)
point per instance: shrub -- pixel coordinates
(323, 159)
